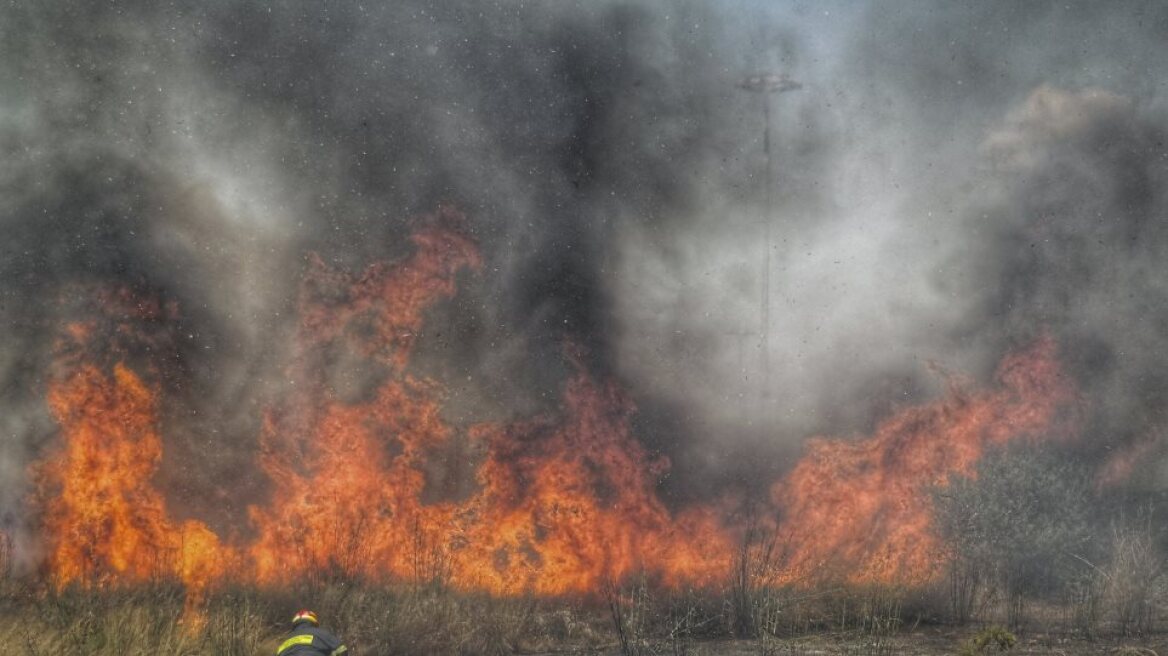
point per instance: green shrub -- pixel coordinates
(989, 639)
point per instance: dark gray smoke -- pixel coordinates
(948, 183)
(951, 182)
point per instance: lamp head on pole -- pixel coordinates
(769, 83)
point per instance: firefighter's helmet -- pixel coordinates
(305, 616)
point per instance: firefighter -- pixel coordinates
(308, 639)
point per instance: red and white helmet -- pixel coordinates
(305, 616)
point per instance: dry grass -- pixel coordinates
(412, 620)
(372, 620)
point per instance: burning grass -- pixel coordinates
(562, 502)
(564, 541)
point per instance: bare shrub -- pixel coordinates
(743, 584)
(753, 601)
(965, 581)
(686, 615)
(629, 608)
(1084, 601)
(1134, 575)
(1011, 531)
(7, 558)
(429, 557)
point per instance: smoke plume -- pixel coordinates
(947, 184)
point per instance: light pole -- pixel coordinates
(767, 84)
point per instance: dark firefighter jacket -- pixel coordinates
(309, 640)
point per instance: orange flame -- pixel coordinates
(566, 506)
(105, 522)
(1125, 462)
(347, 479)
(563, 503)
(561, 507)
(862, 508)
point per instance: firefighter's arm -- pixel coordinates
(338, 648)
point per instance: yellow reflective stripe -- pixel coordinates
(339, 650)
(293, 641)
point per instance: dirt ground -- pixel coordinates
(924, 642)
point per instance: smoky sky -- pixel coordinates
(948, 182)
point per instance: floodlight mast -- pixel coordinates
(767, 84)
